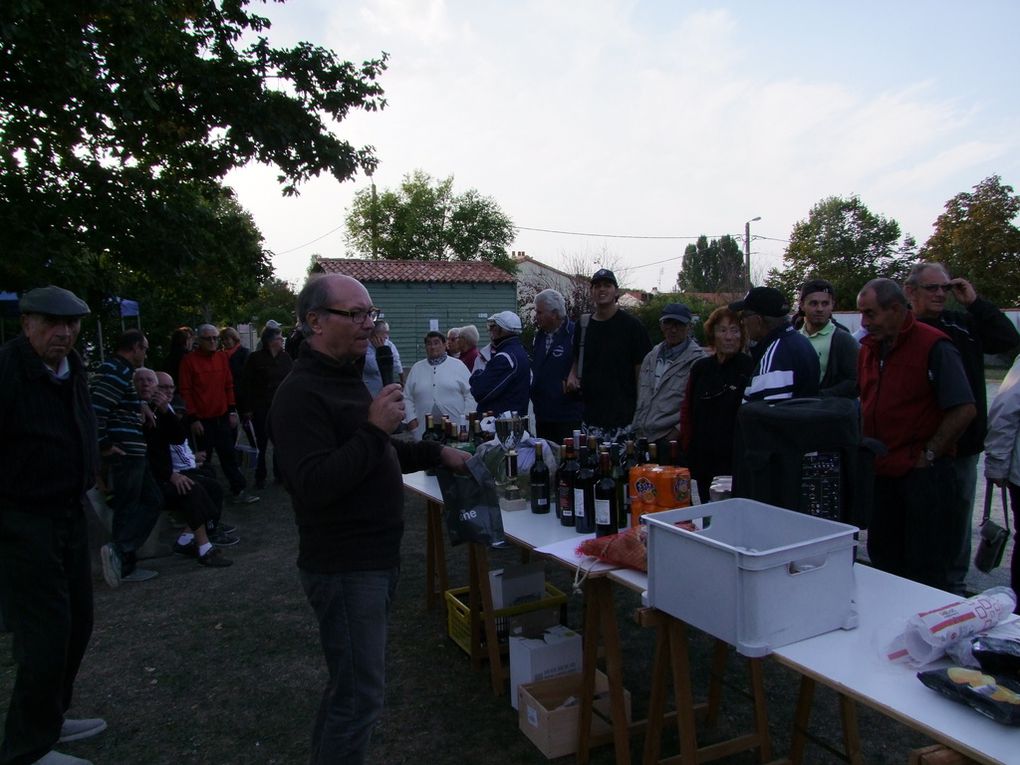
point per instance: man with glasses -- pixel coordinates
(786, 365)
(49, 456)
(207, 387)
(343, 472)
(978, 329)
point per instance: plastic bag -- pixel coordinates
(628, 548)
(994, 697)
(472, 504)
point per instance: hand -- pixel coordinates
(573, 383)
(196, 429)
(181, 483)
(148, 418)
(232, 419)
(112, 451)
(963, 291)
(387, 409)
(200, 459)
(455, 459)
(160, 400)
(413, 424)
(377, 341)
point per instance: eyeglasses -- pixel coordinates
(357, 316)
(933, 288)
(214, 338)
(166, 387)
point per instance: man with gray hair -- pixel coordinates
(916, 400)
(469, 346)
(978, 329)
(557, 414)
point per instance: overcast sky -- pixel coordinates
(662, 119)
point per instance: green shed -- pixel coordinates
(416, 296)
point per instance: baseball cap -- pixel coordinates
(676, 312)
(604, 275)
(53, 301)
(766, 301)
(508, 320)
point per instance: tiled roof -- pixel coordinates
(415, 271)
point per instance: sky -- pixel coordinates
(640, 125)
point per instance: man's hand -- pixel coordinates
(232, 419)
(963, 291)
(181, 483)
(112, 451)
(573, 383)
(387, 409)
(377, 341)
(148, 418)
(197, 430)
(413, 424)
(160, 400)
(455, 459)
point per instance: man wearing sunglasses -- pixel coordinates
(978, 329)
(343, 473)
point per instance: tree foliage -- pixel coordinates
(424, 220)
(846, 243)
(977, 238)
(120, 118)
(712, 266)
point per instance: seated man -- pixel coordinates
(180, 493)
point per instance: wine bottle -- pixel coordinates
(539, 476)
(584, 495)
(565, 478)
(607, 508)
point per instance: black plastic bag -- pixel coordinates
(472, 504)
(994, 697)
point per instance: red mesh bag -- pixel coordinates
(628, 548)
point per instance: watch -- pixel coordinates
(929, 454)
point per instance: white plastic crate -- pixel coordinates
(758, 577)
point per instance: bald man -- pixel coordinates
(343, 472)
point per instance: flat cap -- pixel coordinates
(508, 320)
(53, 301)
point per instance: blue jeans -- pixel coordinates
(352, 609)
(966, 487)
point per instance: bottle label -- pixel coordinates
(566, 502)
(602, 512)
(578, 503)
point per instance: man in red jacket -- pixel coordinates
(916, 400)
(207, 387)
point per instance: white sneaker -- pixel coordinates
(76, 730)
(56, 758)
(111, 564)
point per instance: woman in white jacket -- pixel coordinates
(438, 384)
(1002, 453)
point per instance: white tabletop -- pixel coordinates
(851, 662)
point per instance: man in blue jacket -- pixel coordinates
(505, 382)
(786, 365)
(557, 414)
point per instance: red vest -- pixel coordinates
(898, 402)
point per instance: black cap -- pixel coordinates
(677, 312)
(604, 275)
(766, 301)
(53, 301)
(816, 285)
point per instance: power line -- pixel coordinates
(316, 239)
(611, 236)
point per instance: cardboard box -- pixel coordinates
(556, 652)
(551, 725)
(517, 585)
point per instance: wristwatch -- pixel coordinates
(929, 455)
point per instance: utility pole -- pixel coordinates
(747, 253)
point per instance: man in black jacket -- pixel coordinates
(837, 350)
(343, 472)
(49, 456)
(981, 328)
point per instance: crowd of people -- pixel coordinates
(337, 417)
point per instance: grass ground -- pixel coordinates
(223, 666)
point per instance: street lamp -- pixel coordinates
(747, 253)
(375, 220)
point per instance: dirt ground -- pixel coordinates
(223, 666)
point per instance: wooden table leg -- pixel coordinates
(685, 722)
(761, 712)
(436, 581)
(715, 682)
(657, 695)
(851, 737)
(801, 718)
(482, 616)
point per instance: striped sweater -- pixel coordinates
(117, 407)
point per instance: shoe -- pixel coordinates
(57, 758)
(244, 498)
(111, 564)
(190, 550)
(76, 730)
(140, 575)
(214, 559)
(220, 528)
(223, 539)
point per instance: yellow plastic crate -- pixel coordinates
(458, 614)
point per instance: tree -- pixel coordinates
(977, 238)
(715, 266)
(424, 220)
(118, 113)
(844, 242)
